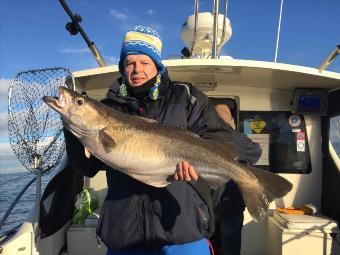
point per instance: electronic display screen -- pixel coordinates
(309, 103)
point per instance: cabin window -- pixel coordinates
(282, 137)
(334, 137)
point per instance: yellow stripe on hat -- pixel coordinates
(138, 36)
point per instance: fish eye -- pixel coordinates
(80, 101)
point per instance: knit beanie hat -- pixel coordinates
(145, 41)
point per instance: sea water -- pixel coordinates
(10, 186)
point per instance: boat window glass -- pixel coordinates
(282, 137)
(334, 135)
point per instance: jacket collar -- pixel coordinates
(113, 92)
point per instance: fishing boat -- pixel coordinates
(292, 111)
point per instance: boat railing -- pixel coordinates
(330, 58)
(195, 28)
(8, 234)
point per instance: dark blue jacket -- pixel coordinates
(135, 215)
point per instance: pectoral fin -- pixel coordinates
(108, 142)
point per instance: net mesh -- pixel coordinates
(35, 130)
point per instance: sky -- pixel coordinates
(33, 36)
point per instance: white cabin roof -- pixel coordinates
(223, 72)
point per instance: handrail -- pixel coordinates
(219, 46)
(8, 212)
(195, 28)
(215, 27)
(8, 234)
(330, 58)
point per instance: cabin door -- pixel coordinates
(331, 157)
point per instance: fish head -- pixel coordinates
(81, 115)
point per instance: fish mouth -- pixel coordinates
(57, 103)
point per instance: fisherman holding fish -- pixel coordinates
(151, 136)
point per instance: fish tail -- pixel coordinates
(259, 193)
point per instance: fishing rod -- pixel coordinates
(74, 28)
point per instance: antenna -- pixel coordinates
(278, 33)
(73, 27)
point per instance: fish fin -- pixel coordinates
(185, 131)
(108, 142)
(259, 194)
(190, 133)
(228, 148)
(215, 182)
(147, 119)
(158, 184)
(87, 152)
(155, 180)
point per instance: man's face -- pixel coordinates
(138, 69)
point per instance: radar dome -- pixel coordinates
(203, 41)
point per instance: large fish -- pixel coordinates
(149, 151)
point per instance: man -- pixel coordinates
(137, 218)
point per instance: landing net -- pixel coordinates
(35, 130)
